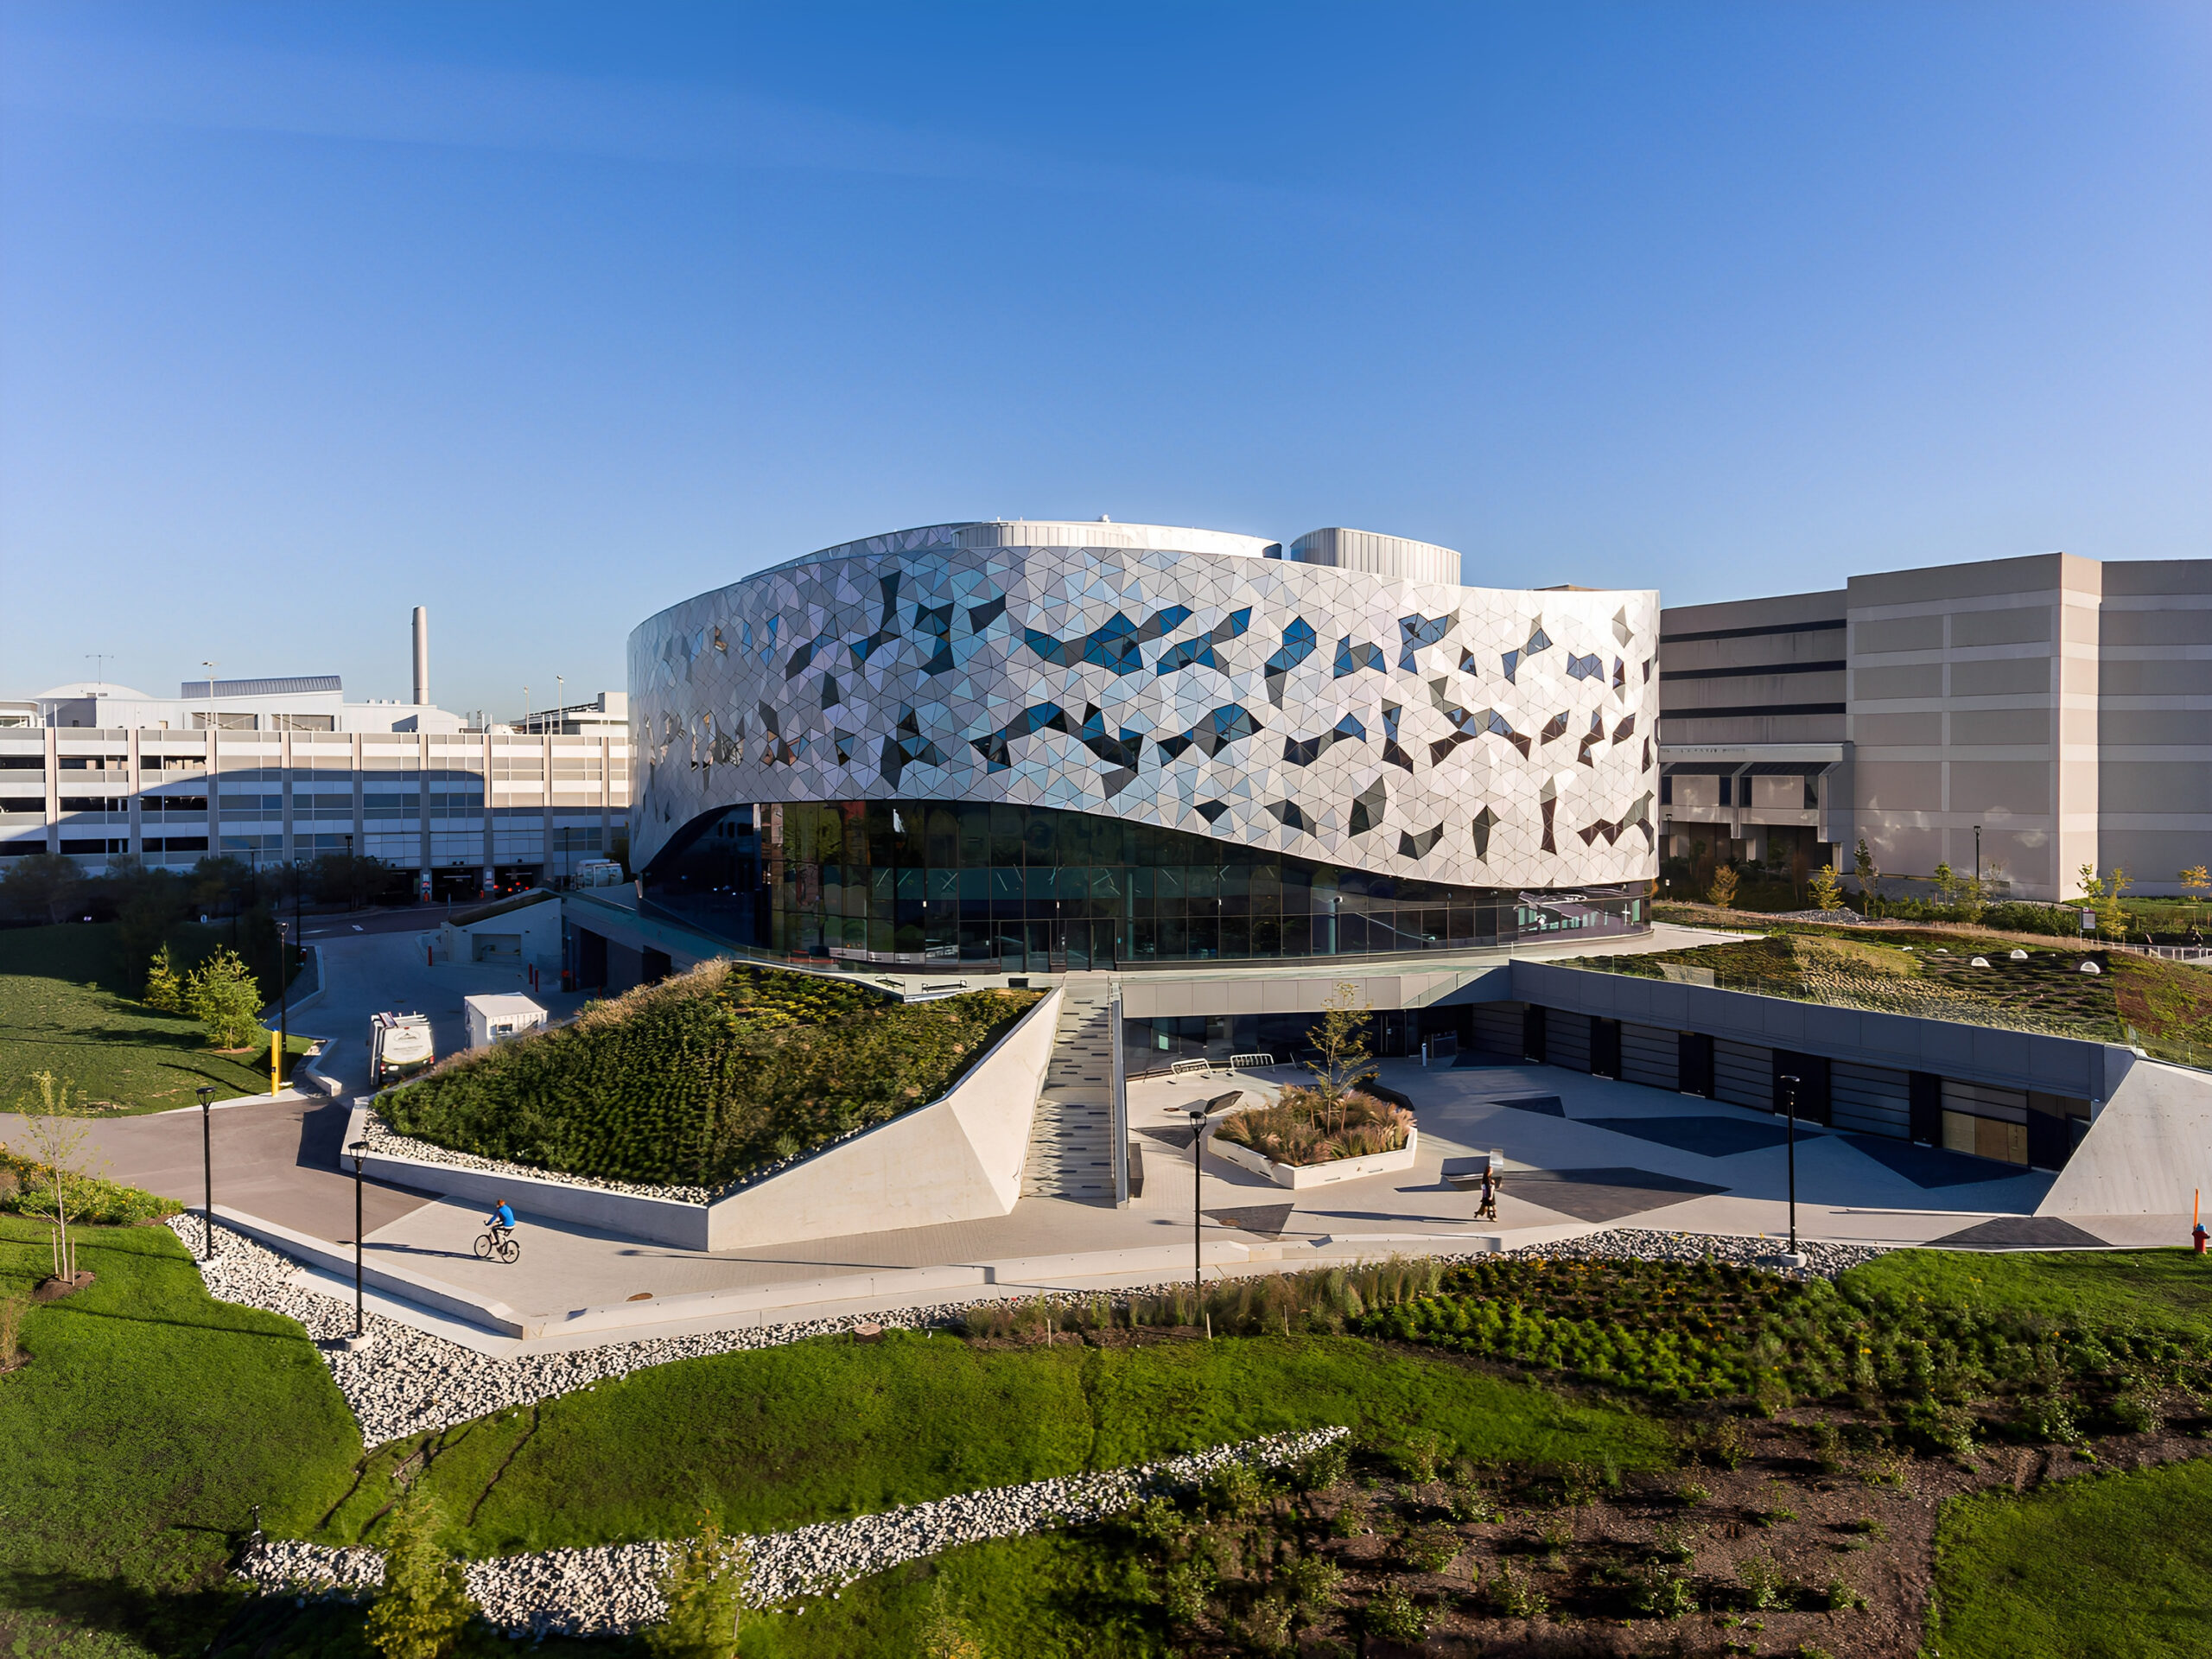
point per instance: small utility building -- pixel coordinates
(493, 1019)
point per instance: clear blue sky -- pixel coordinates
(547, 316)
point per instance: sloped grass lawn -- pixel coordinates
(2167, 1290)
(1059, 1593)
(134, 1446)
(831, 1428)
(705, 1078)
(61, 1011)
(2105, 1567)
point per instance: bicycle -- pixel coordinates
(501, 1242)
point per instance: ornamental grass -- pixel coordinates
(1307, 1126)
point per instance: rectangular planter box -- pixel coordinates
(1299, 1176)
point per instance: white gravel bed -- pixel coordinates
(1821, 1260)
(409, 1381)
(615, 1588)
(383, 1138)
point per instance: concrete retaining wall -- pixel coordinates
(957, 1159)
(2060, 1065)
(2147, 1152)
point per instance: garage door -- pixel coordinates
(1497, 1029)
(1743, 1075)
(1567, 1039)
(1648, 1055)
(1870, 1099)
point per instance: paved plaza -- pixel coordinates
(1581, 1152)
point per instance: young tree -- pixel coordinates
(1947, 885)
(702, 1587)
(423, 1608)
(1869, 875)
(943, 1634)
(2112, 920)
(1970, 901)
(1828, 888)
(2092, 887)
(224, 997)
(1340, 1040)
(2193, 880)
(55, 1125)
(164, 988)
(1723, 891)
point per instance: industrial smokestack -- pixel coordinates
(422, 654)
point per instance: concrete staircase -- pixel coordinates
(1071, 1140)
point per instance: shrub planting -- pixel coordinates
(703, 1080)
(1708, 1331)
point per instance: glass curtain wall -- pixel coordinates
(1018, 889)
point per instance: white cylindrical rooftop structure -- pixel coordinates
(1382, 555)
(422, 654)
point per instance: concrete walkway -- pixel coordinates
(274, 1159)
(1583, 1153)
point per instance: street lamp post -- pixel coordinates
(1197, 1199)
(1977, 858)
(206, 1093)
(1790, 1105)
(284, 1007)
(358, 1150)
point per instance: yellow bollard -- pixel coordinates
(275, 1057)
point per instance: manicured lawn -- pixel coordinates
(2114, 1567)
(2169, 1290)
(831, 1428)
(60, 1012)
(135, 1445)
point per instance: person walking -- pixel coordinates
(1489, 1208)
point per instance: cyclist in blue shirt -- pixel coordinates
(502, 1218)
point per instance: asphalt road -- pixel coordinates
(278, 1160)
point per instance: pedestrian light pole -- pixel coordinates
(206, 1093)
(1790, 1105)
(358, 1151)
(1197, 1200)
(284, 1005)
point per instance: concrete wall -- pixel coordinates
(1156, 995)
(1710, 660)
(1889, 1042)
(534, 928)
(2062, 705)
(957, 1159)
(1973, 694)
(2147, 1153)
(2154, 719)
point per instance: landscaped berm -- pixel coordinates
(703, 1080)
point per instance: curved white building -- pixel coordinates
(1025, 744)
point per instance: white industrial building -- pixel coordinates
(283, 770)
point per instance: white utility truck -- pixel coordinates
(399, 1043)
